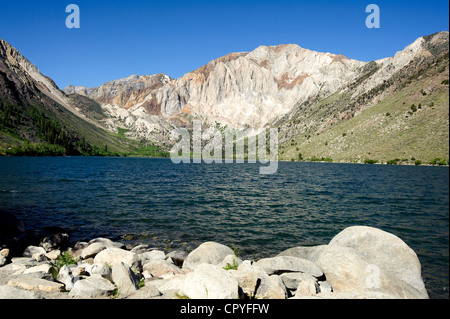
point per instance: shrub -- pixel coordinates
(237, 252)
(39, 149)
(141, 282)
(181, 295)
(370, 161)
(233, 266)
(417, 162)
(65, 259)
(439, 161)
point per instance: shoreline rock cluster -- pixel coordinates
(358, 263)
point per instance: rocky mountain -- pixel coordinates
(252, 89)
(396, 111)
(239, 89)
(125, 92)
(37, 118)
(324, 105)
(126, 108)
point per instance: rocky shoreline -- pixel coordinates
(358, 263)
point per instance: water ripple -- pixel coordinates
(167, 205)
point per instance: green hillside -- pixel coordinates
(51, 130)
(27, 129)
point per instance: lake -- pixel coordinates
(172, 206)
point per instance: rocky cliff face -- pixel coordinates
(125, 92)
(302, 92)
(27, 76)
(252, 89)
(239, 89)
(422, 48)
(21, 77)
(39, 119)
(127, 106)
(245, 89)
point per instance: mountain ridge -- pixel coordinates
(179, 96)
(402, 118)
(271, 86)
(236, 90)
(39, 119)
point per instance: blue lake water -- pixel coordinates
(171, 206)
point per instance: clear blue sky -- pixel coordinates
(119, 38)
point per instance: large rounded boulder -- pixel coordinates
(368, 259)
(385, 250)
(207, 253)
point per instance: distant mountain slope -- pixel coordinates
(126, 108)
(124, 92)
(315, 99)
(239, 89)
(398, 117)
(36, 118)
(252, 89)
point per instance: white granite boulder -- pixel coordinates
(112, 256)
(209, 253)
(210, 282)
(94, 286)
(282, 264)
(125, 279)
(384, 250)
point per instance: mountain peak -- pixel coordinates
(122, 92)
(256, 89)
(17, 63)
(134, 78)
(14, 58)
(437, 43)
